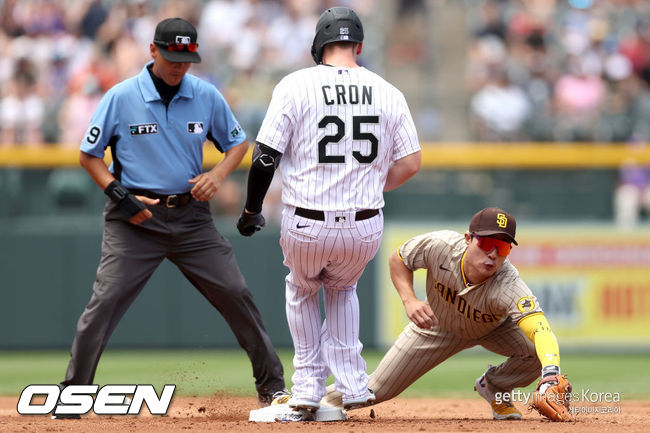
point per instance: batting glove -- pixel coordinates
(249, 223)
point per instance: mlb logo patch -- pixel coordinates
(195, 127)
(183, 39)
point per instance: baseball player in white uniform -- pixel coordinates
(474, 296)
(344, 136)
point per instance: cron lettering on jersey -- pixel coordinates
(450, 295)
(144, 128)
(350, 94)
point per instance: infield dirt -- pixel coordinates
(226, 413)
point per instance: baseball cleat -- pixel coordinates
(277, 397)
(355, 403)
(281, 399)
(500, 411)
(303, 404)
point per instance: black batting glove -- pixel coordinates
(249, 223)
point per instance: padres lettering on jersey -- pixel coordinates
(467, 312)
(338, 129)
(451, 296)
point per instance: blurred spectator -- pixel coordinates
(499, 109)
(21, 108)
(93, 18)
(579, 96)
(637, 47)
(77, 110)
(632, 195)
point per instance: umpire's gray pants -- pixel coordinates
(131, 253)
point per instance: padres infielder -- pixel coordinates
(474, 296)
(344, 136)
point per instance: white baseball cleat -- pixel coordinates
(355, 403)
(303, 404)
(500, 411)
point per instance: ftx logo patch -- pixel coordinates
(143, 128)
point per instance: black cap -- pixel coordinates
(492, 221)
(176, 31)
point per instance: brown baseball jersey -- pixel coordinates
(467, 311)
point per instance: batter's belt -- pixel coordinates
(319, 215)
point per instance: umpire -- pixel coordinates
(155, 124)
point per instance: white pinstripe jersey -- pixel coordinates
(469, 312)
(338, 130)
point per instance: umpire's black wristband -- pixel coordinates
(124, 199)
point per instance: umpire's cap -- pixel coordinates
(176, 41)
(492, 221)
(337, 24)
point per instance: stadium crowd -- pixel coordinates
(58, 57)
(551, 70)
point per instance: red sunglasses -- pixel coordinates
(487, 244)
(192, 47)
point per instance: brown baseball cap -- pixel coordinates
(492, 221)
(174, 33)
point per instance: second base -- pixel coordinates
(283, 413)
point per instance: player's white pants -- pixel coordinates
(331, 254)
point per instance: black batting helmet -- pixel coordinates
(338, 24)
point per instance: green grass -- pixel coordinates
(205, 372)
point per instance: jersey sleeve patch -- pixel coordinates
(527, 304)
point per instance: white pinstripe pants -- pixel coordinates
(331, 254)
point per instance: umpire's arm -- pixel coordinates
(98, 171)
(207, 184)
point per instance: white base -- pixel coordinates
(283, 413)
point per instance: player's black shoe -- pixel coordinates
(269, 398)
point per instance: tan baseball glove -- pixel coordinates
(551, 398)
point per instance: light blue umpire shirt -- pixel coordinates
(160, 148)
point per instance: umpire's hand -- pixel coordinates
(249, 223)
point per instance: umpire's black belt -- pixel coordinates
(173, 200)
(319, 215)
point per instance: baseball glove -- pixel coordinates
(551, 398)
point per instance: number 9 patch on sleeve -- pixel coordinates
(93, 134)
